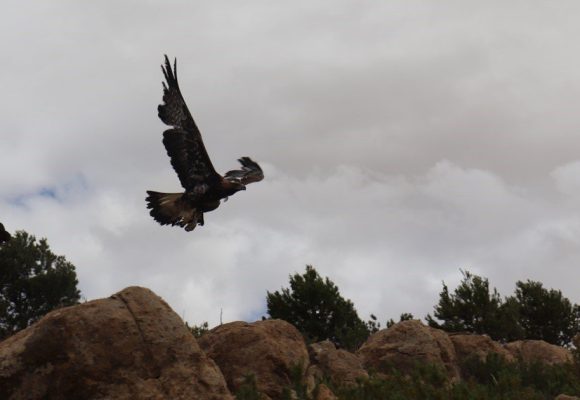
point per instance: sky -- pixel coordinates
(401, 141)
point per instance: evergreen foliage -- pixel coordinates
(532, 313)
(316, 308)
(489, 379)
(33, 281)
(545, 314)
(402, 317)
(198, 330)
(472, 307)
(373, 325)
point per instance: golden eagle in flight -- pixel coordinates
(204, 187)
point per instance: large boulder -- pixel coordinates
(472, 345)
(272, 351)
(539, 351)
(339, 366)
(129, 346)
(406, 344)
(324, 393)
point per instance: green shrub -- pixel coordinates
(489, 379)
(297, 388)
(544, 380)
(248, 390)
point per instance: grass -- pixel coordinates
(489, 379)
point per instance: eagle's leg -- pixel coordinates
(194, 219)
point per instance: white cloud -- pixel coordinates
(567, 179)
(401, 141)
(386, 241)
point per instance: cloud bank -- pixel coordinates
(401, 141)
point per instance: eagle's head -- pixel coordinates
(232, 186)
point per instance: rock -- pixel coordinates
(314, 375)
(324, 393)
(406, 344)
(129, 346)
(576, 341)
(538, 351)
(566, 397)
(340, 366)
(467, 345)
(270, 350)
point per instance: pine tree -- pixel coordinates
(533, 312)
(473, 307)
(545, 314)
(316, 308)
(33, 281)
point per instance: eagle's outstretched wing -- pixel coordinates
(250, 172)
(183, 143)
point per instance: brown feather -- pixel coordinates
(184, 144)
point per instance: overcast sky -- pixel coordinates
(401, 141)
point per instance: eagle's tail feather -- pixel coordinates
(170, 209)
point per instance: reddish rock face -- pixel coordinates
(129, 346)
(477, 345)
(566, 397)
(406, 344)
(340, 366)
(538, 351)
(269, 350)
(324, 393)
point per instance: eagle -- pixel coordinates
(4, 235)
(204, 187)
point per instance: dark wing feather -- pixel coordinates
(183, 143)
(250, 172)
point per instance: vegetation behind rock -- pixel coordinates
(33, 281)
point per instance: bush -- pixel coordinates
(541, 380)
(198, 330)
(489, 379)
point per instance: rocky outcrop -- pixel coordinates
(129, 346)
(538, 351)
(339, 366)
(324, 393)
(480, 346)
(133, 346)
(269, 350)
(406, 344)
